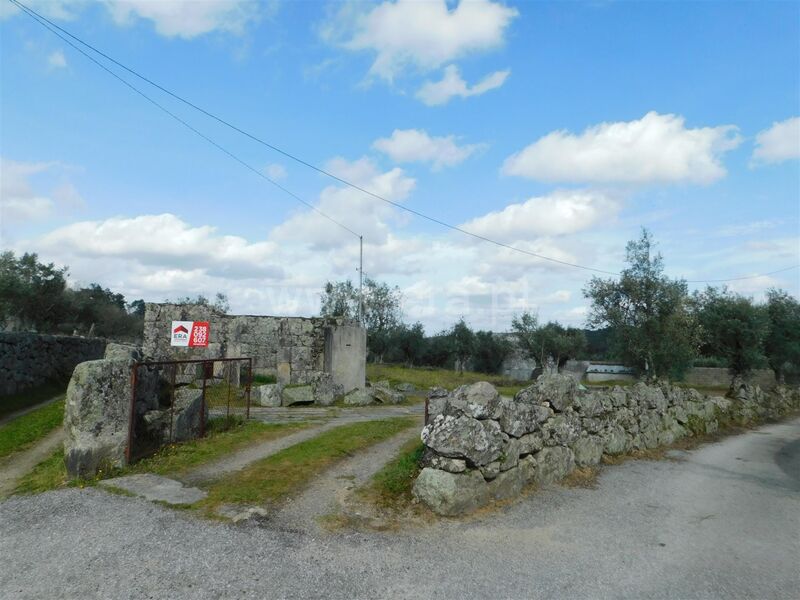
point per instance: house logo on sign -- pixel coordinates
(190, 334)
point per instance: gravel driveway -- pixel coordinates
(722, 522)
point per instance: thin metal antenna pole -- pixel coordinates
(361, 279)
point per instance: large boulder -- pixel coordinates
(179, 423)
(518, 418)
(297, 394)
(451, 494)
(588, 450)
(451, 465)
(383, 394)
(97, 416)
(649, 397)
(478, 400)
(556, 389)
(507, 484)
(554, 463)
(267, 395)
(480, 442)
(324, 389)
(359, 397)
(614, 440)
(589, 404)
(562, 429)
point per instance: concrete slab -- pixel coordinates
(156, 488)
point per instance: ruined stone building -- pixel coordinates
(293, 349)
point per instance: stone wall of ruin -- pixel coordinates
(291, 348)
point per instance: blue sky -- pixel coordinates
(557, 127)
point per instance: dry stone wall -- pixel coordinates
(481, 447)
(28, 360)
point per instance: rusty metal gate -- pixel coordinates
(172, 400)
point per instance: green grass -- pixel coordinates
(32, 397)
(24, 431)
(48, 475)
(176, 459)
(224, 436)
(217, 396)
(425, 378)
(264, 379)
(391, 486)
(276, 476)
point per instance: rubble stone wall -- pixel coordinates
(481, 447)
(291, 348)
(28, 360)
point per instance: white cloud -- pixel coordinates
(358, 211)
(21, 201)
(778, 143)
(164, 240)
(186, 18)
(171, 18)
(421, 35)
(654, 149)
(434, 93)
(560, 212)
(57, 60)
(415, 145)
(64, 10)
(275, 171)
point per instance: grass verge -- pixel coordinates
(224, 437)
(49, 474)
(24, 431)
(273, 478)
(391, 486)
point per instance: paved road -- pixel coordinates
(722, 522)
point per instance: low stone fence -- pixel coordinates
(481, 447)
(28, 360)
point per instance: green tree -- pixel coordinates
(220, 302)
(339, 299)
(782, 345)
(32, 292)
(550, 341)
(438, 350)
(490, 352)
(732, 327)
(462, 340)
(409, 343)
(652, 327)
(381, 313)
(526, 328)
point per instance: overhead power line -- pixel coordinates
(45, 23)
(53, 27)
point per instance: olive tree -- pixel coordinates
(652, 326)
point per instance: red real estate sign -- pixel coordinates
(190, 334)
